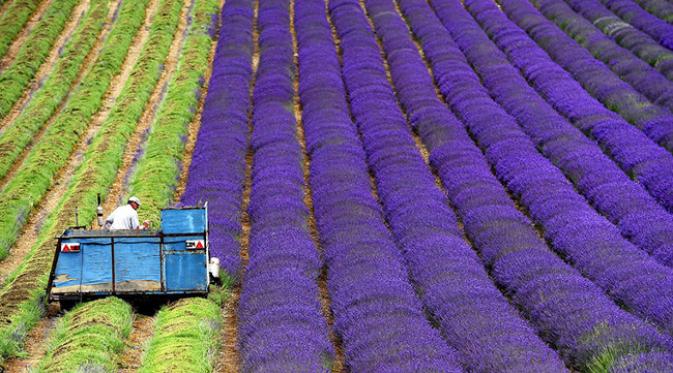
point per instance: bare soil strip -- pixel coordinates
(137, 141)
(60, 184)
(89, 61)
(48, 64)
(21, 38)
(143, 327)
(35, 345)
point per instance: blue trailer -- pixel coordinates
(174, 261)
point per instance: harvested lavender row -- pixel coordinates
(606, 187)
(637, 17)
(376, 311)
(602, 83)
(474, 317)
(281, 327)
(625, 33)
(218, 164)
(636, 154)
(582, 323)
(589, 241)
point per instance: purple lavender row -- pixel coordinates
(626, 34)
(636, 16)
(521, 263)
(377, 313)
(281, 327)
(602, 32)
(474, 317)
(659, 8)
(643, 77)
(599, 80)
(588, 240)
(218, 165)
(606, 187)
(637, 155)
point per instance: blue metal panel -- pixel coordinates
(185, 271)
(137, 264)
(178, 243)
(183, 221)
(68, 272)
(97, 264)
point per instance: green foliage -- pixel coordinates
(157, 173)
(13, 20)
(54, 90)
(48, 156)
(185, 338)
(89, 338)
(33, 52)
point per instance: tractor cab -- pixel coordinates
(173, 261)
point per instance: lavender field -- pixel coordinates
(393, 185)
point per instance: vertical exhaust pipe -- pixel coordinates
(99, 213)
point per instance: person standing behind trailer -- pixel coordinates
(126, 217)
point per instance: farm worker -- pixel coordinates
(126, 217)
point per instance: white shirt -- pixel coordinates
(124, 217)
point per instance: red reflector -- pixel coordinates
(195, 244)
(71, 247)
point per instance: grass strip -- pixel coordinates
(185, 338)
(18, 134)
(32, 53)
(156, 176)
(89, 338)
(48, 156)
(13, 20)
(21, 299)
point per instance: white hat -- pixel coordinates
(134, 199)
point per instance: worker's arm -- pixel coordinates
(135, 224)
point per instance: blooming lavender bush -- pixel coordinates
(643, 160)
(596, 77)
(218, 163)
(588, 240)
(472, 314)
(609, 190)
(376, 312)
(281, 327)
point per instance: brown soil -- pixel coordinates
(131, 358)
(119, 188)
(89, 61)
(32, 228)
(21, 38)
(35, 346)
(48, 64)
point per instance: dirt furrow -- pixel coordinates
(18, 42)
(143, 327)
(35, 345)
(44, 70)
(86, 66)
(137, 141)
(60, 185)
